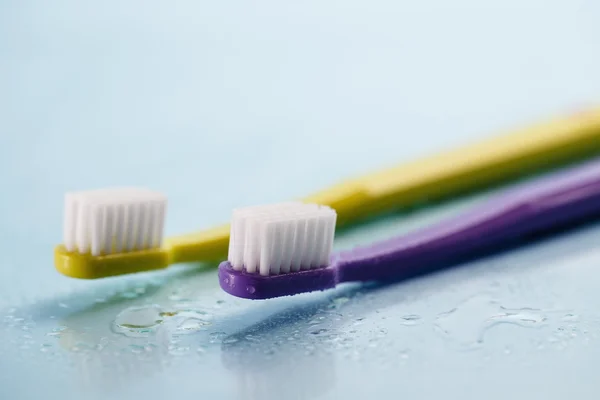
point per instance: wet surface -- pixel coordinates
(518, 317)
(222, 104)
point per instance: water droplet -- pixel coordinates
(404, 354)
(525, 317)
(230, 340)
(168, 313)
(201, 350)
(318, 331)
(129, 295)
(45, 347)
(250, 289)
(220, 301)
(314, 322)
(570, 318)
(178, 350)
(57, 331)
(410, 319)
(136, 348)
(507, 350)
(138, 321)
(216, 336)
(63, 305)
(191, 325)
(338, 302)
(251, 338)
(177, 297)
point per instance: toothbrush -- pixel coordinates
(481, 164)
(282, 250)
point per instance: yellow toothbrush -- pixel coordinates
(119, 231)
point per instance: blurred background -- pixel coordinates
(229, 103)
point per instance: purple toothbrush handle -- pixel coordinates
(531, 207)
(527, 209)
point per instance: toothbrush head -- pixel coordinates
(278, 250)
(112, 232)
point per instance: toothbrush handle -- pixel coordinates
(529, 208)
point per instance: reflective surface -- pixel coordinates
(228, 104)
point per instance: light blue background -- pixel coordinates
(229, 103)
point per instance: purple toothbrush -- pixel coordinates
(284, 249)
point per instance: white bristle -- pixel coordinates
(113, 220)
(281, 238)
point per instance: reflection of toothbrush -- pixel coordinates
(480, 164)
(285, 250)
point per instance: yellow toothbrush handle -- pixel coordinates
(447, 174)
(477, 165)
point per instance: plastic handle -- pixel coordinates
(527, 209)
(496, 159)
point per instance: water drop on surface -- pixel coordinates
(338, 302)
(570, 318)
(230, 340)
(136, 348)
(410, 319)
(138, 321)
(191, 325)
(250, 289)
(45, 347)
(524, 317)
(129, 295)
(318, 331)
(176, 297)
(217, 336)
(178, 350)
(57, 331)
